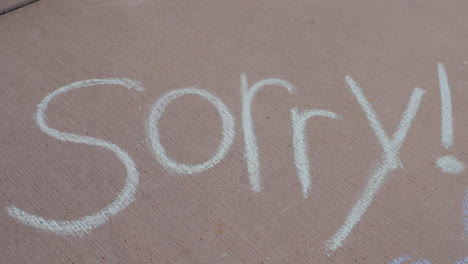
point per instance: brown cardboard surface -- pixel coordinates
(387, 47)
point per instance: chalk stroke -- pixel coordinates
(450, 164)
(422, 261)
(399, 260)
(299, 122)
(462, 261)
(447, 164)
(390, 160)
(153, 132)
(446, 107)
(125, 197)
(404, 258)
(250, 141)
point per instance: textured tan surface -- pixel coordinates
(389, 47)
(7, 3)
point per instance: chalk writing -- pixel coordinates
(399, 260)
(389, 160)
(447, 164)
(125, 197)
(153, 131)
(462, 261)
(251, 150)
(299, 120)
(404, 258)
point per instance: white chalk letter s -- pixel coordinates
(125, 197)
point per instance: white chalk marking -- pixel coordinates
(390, 160)
(422, 261)
(125, 197)
(299, 122)
(399, 260)
(450, 164)
(446, 107)
(250, 141)
(153, 132)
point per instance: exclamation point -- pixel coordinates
(447, 164)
